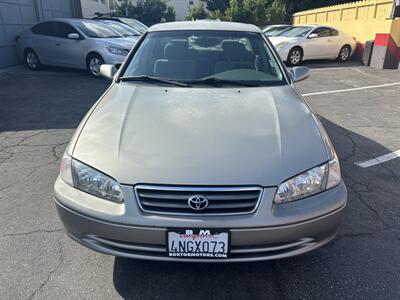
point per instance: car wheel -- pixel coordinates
(295, 56)
(344, 53)
(94, 62)
(32, 60)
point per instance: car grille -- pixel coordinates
(174, 200)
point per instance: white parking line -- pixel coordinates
(352, 89)
(378, 160)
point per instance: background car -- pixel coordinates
(306, 42)
(273, 30)
(123, 29)
(135, 24)
(74, 43)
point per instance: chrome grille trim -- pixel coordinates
(172, 200)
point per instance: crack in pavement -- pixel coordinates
(31, 232)
(51, 272)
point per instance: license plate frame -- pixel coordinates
(202, 235)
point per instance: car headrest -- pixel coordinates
(176, 50)
(234, 50)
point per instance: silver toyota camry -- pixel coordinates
(201, 150)
(73, 43)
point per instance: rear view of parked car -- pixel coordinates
(123, 29)
(307, 42)
(74, 43)
(135, 24)
(274, 30)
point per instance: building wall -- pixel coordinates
(19, 15)
(91, 7)
(182, 7)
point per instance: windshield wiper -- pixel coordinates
(146, 78)
(218, 81)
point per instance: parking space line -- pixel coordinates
(352, 89)
(378, 160)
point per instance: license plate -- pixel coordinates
(200, 243)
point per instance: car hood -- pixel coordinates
(279, 39)
(125, 43)
(200, 136)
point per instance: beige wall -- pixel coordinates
(90, 7)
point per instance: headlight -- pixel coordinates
(116, 50)
(281, 45)
(310, 182)
(89, 180)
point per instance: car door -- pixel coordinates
(43, 42)
(335, 42)
(319, 46)
(69, 52)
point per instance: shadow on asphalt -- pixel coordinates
(326, 64)
(326, 273)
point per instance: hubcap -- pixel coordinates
(345, 53)
(94, 65)
(295, 57)
(31, 60)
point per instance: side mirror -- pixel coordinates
(299, 73)
(73, 36)
(313, 36)
(108, 71)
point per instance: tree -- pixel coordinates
(247, 11)
(147, 11)
(170, 15)
(198, 12)
(217, 5)
(276, 12)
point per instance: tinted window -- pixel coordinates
(62, 30)
(45, 28)
(123, 29)
(199, 55)
(322, 31)
(300, 31)
(97, 30)
(334, 32)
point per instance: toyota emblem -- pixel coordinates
(198, 202)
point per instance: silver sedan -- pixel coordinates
(201, 150)
(74, 43)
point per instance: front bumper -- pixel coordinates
(272, 232)
(283, 53)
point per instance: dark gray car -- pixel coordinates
(201, 150)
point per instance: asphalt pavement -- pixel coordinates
(38, 114)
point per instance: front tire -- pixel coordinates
(344, 53)
(93, 63)
(295, 56)
(32, 60)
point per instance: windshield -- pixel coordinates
(97, 30)
(296, 31)
(135, 24)
(121, 28)
(198, 56)
(276, 30)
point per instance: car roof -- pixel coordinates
(69, 20)
(204, 25)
